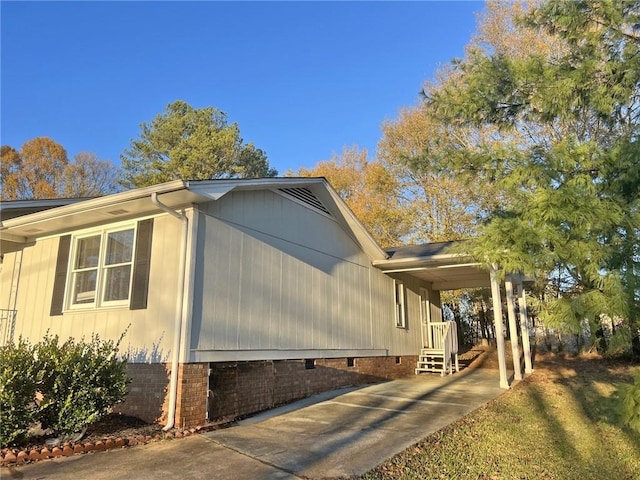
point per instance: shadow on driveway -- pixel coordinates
(353, 432)
(340, 433)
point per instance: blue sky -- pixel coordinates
(301, 79)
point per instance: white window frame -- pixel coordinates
(102, 269)
(400, 303)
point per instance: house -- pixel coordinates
(235, 295)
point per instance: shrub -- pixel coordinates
(81, 382)
(620, 342)
(20, 377)
(629, 398)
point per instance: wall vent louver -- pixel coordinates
(307, 197)
(120, 211)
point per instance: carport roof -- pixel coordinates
(437, 264)
(418, 251)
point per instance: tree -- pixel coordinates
(442, 207)
(447, 202)
(187, 143)
(9, 182)
(41, 170)
(419, 144)
(37, 171)
(87, 176)
(370, 191)
(566, 156)
(500, 32)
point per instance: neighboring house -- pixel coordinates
(235, 295)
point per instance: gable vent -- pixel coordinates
(306, 197)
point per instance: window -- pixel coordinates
(101, 268)
(401, 316)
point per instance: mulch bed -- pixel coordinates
(123, 426)
(112, 431)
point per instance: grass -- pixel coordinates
(561, 422)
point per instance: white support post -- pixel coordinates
(513, 327)
(497, 320)
(524, 326)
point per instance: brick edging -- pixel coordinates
(9, 456)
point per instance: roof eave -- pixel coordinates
(94, 203)
(423, 261)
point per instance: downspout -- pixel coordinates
(180, 318)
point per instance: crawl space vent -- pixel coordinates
(306, 197)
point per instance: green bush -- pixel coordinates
(20, 378)
(65, 386)
(620, 342)
(82, 381)
(629, 397)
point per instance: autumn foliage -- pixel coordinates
(41, 169)
(369, 189)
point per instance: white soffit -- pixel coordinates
(432, 263)
(111, 208)
(210, 190)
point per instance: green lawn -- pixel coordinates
(559, 423)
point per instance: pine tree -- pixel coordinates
(565, 155)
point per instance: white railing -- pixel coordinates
(445, 338)
(7, 325)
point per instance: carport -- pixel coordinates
(443, 268)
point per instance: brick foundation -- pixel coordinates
(191, 404)
(243, 388)
(148, 391)
(147, 397)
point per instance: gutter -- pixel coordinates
(427, 258)
(95, 203)
(180, 319)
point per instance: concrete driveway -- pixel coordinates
(336, 434)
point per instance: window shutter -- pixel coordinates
(142, 265)
(60, 277)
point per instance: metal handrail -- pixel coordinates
(7, 325)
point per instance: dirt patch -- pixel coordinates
(556, 367)
(114, 425)
(481, 356)
(112, 431)
(120, 426)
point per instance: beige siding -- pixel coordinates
(274, 275)
(149, 332)
(401, 341)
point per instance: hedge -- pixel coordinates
(64, 387)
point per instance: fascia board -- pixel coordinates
(216, 189)
(95, 203)
(448, 258)
(10, 237)
(367, 242)
(210, 191)
(251, 183)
